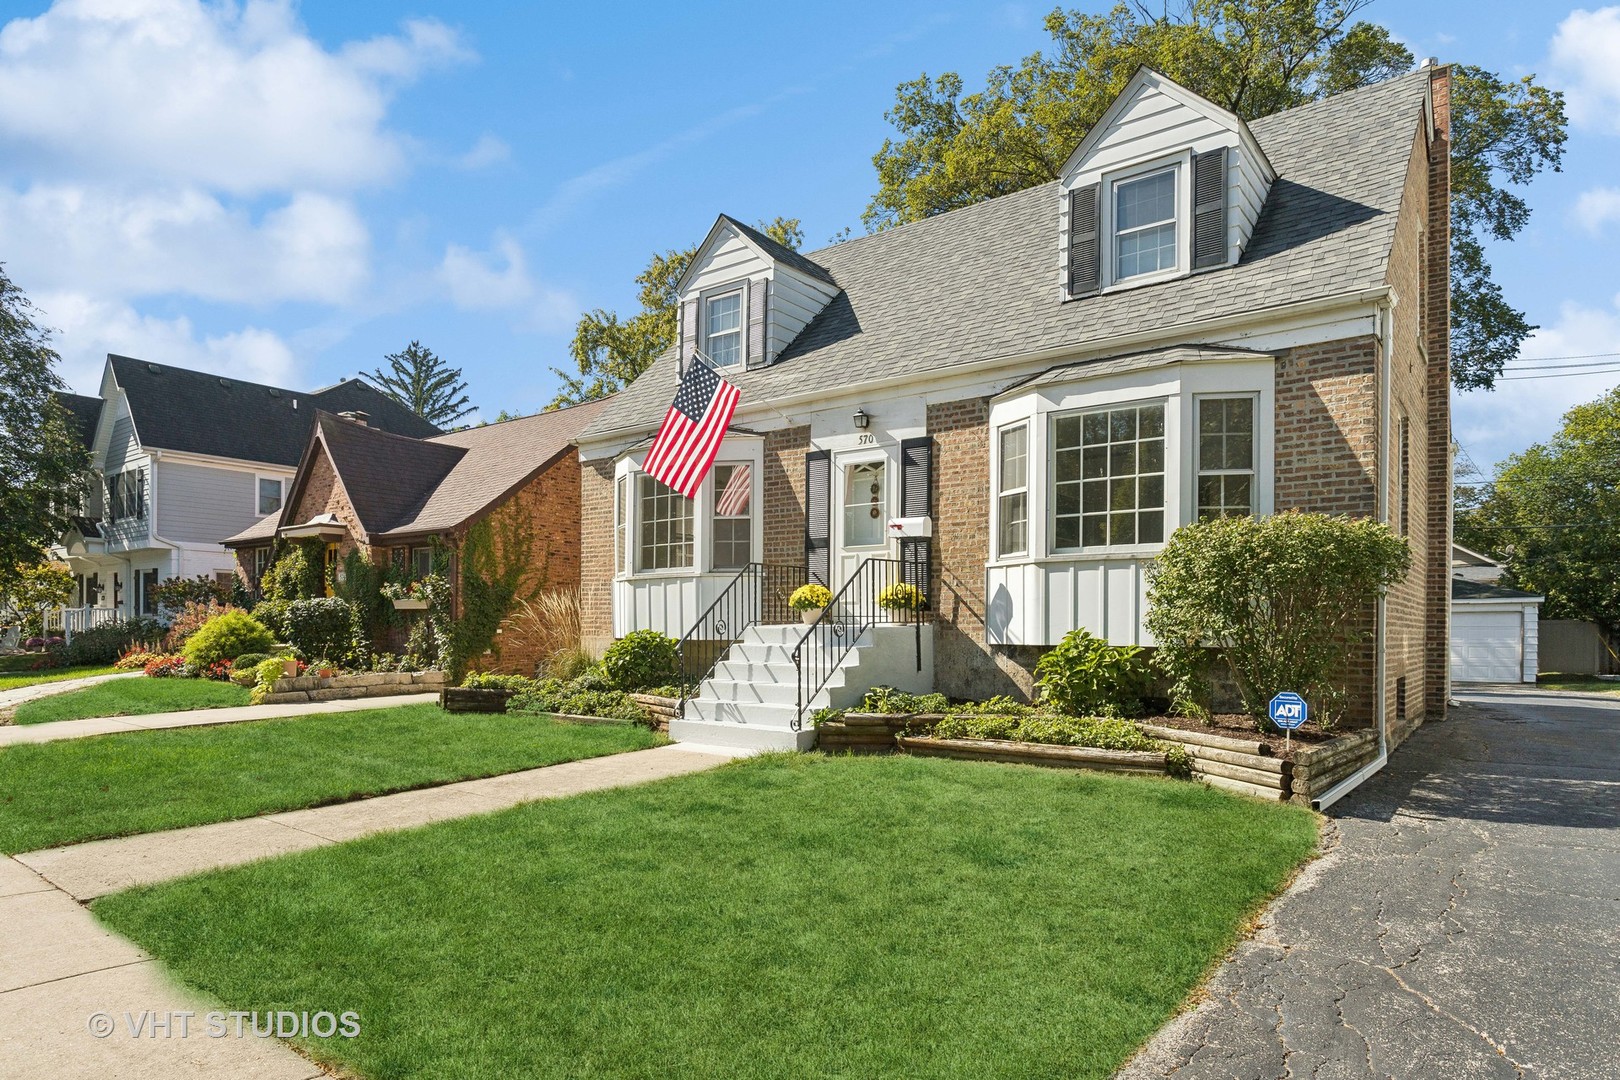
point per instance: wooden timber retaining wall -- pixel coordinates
(347, 687)
(661, 709)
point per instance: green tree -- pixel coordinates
(423, 383)
(1553, 512)
(44, 467)
(609, 351)
(1253, 57)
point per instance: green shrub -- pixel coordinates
(996, 706)
(105, 644)
(886, 699)
(1102, 733)
(594, 677)
(486, 680)
(1286, 598)
(250, 660)
(225, 637)
(550, 696)
(297, 574)
(1084, 676)
(326, 628)
(640, 659)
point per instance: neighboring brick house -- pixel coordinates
(1198, 316)
(397, 498)
(182, 458)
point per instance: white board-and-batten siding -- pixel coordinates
(1154, 125)
(1037, 603)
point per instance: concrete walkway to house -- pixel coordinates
(60, 971)
(1465, 925)
(10, 699)
(14, 734)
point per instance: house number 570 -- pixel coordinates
(865, 439)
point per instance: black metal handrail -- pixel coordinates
(854, 610)
(758, 594)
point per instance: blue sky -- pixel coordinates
(289, 192)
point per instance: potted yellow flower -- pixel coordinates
(901, 596)
(810, 601)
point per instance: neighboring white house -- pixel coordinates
(184, 459)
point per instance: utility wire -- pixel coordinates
(1563, 374)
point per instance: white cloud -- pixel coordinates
(185, 241)
(91, 328)
(1583, 55)
(1597, 208)
(499, 280)
(1493, 424)
(487, 151)
(233, 98)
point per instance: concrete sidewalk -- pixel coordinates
(10, 699)
(86, 871)
(60, 967)
(15, 734)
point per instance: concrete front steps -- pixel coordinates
(750, 701)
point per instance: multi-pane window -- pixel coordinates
(1225, 457)
(664, 526)
(1108, 477)
(126, 495)
(1012, 497)
(621, 521)
(723, 329)
(1145, 224)
(269, 495)
(421, 562)
(733, 516)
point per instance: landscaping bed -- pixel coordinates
(786, 915)
(115, 785)
(298, 688)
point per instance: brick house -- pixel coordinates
(397, 499)
(1017, 402)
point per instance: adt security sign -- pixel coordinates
(1288, 710)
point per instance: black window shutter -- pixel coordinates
(140, 495)
(1085, 252)
(757, 292)
(916, 500)
(818, 516)
(1209, 208)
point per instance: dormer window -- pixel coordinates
(1145, 224)
(722, 321)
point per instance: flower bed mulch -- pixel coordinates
(1242, 726)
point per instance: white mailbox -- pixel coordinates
(911, 526)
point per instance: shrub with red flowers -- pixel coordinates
(136, 659)
(166, 667)
(189, 620)
(219, 671)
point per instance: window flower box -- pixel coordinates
(409, 603)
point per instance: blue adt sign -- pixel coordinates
(1288, 710)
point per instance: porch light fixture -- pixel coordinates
(861, 419)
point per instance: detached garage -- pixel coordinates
(1493, 633)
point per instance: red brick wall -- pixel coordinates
(783, 488)
(1437, 337)
(596, 554)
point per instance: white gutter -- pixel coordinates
(1386, 335)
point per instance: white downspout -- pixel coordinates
(1386, 350)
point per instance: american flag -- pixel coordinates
(733, 498)
(690, 435)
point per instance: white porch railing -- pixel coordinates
(67, 621)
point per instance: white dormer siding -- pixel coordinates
(1156, 128)
(778, 301)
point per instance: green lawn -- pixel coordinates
(14, 681)
(112, 785)
(793, 915)
(1585, 684)
(132, 697)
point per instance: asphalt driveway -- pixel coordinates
(1467, 924)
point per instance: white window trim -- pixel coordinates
(1048, 482)
(997, 493)
(720, 292)
(1182, 164)
(1254, 488)
(259, 478)
(734, 450)
(891, 476)
(1179, 385)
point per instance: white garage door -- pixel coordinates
(1485, 646)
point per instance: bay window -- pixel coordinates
(1108, 477)
(1012, 471)
(621, 521)
(665, 535)
(1225, 457)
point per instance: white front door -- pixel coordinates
(862, 505)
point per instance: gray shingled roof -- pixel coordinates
(981, 282)
(1479, 590)
(194, 411)
(781, 252)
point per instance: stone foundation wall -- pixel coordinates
(304, 688)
